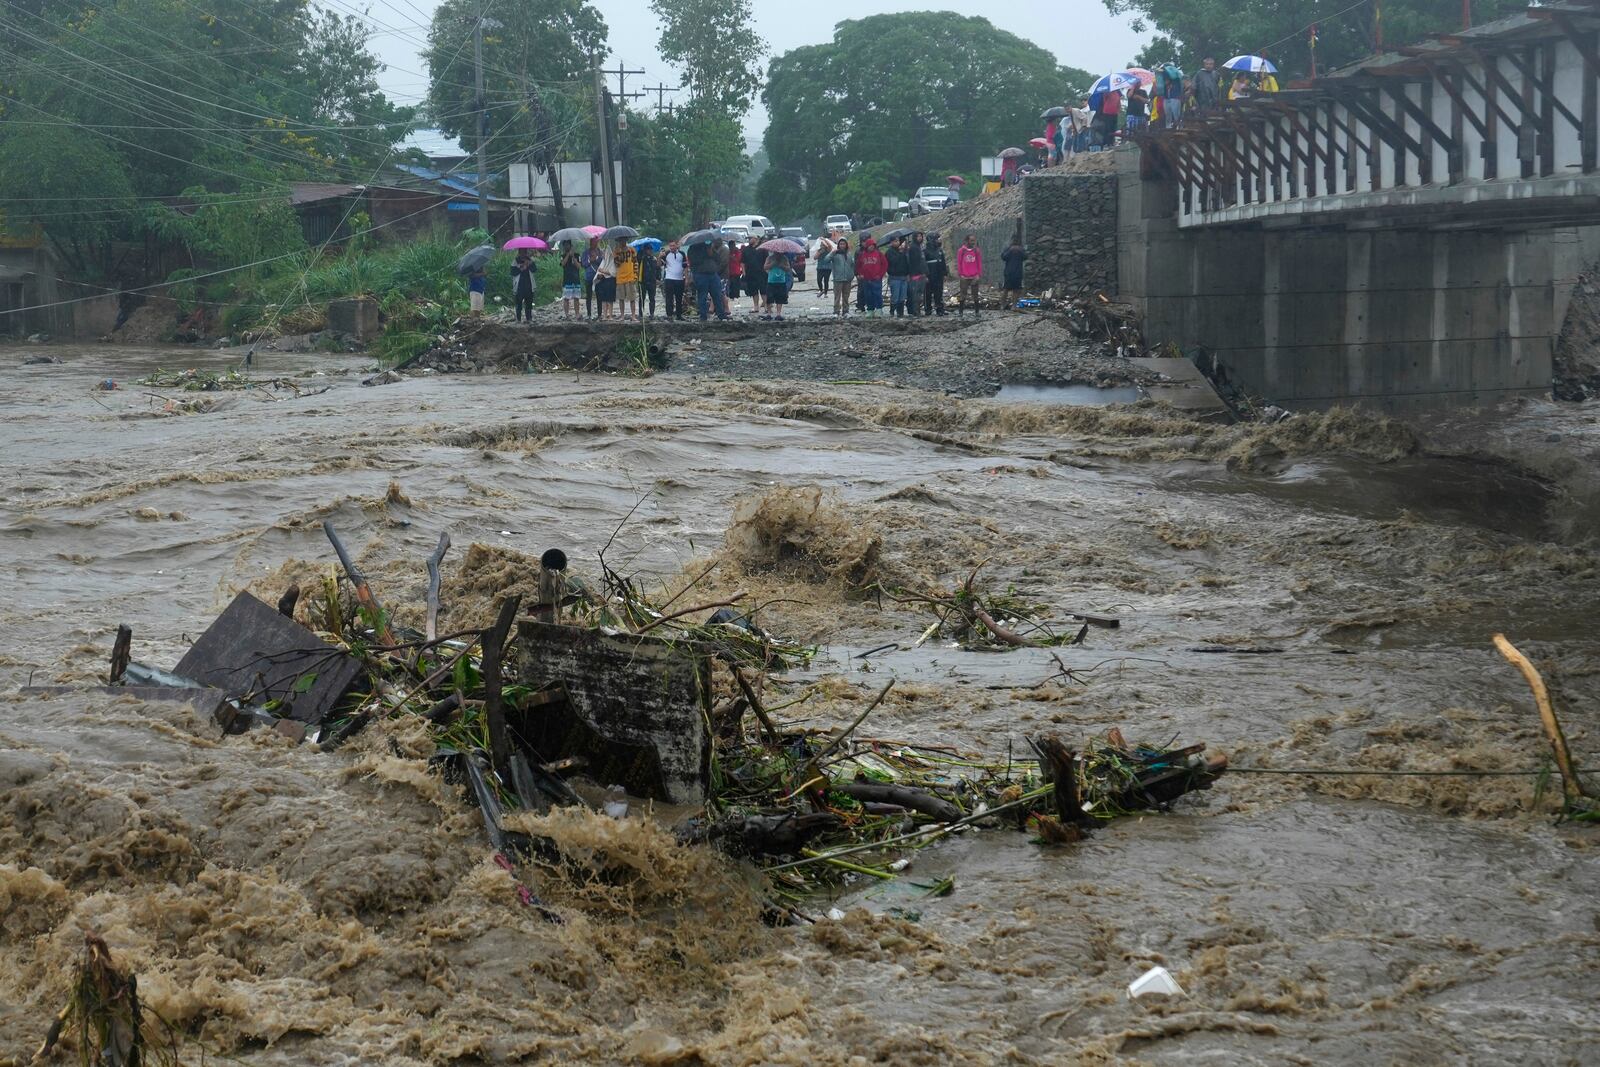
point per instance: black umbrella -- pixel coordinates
(623, 232)
(700, 237)
(898, 231)
(474, 259)
(1053, 113)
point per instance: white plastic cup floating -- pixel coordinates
(1157, 980)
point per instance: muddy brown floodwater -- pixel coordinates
(286, 907)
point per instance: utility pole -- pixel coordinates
(661, 92)
(607, 179)
(622, 81)
(483, 117)
(483, 121)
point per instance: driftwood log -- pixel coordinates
(901, 796)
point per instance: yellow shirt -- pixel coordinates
(627, 267)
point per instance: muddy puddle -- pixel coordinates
(1318, 594)
(1069, 395)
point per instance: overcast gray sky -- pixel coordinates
(1079, 32)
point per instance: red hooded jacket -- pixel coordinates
(871, 264)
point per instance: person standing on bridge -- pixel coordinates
(969, 268)
(843, 268)
(824, 265)
(1205, 88)
(1169, 87)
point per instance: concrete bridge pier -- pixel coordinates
(1367, 313)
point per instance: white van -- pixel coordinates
(757, 225)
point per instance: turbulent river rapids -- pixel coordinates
(282, 906)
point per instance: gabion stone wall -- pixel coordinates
(1070, 230)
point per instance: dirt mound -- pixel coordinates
(151, 323)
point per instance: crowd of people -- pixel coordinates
(907, 277)
(1107, 114)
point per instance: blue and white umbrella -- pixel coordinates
(1250, 65)
(1114, 82)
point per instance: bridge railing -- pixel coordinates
(1517, 100)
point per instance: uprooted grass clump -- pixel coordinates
(806, 534)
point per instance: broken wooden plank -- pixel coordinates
(494, 646)
(254, 654)
(637, 708)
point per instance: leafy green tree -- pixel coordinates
(220, 229)
(538, 100)
(48, 178)
(861, 194)
(1189, 30)
(655, 193)
(709, 41)
(920, 92)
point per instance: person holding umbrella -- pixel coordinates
(522, 284)
(605, 283)
(780, 274)
(824, 265)
(649, 275)
(591, 263)
(703, 269)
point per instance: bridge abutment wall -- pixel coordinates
(1386, 317)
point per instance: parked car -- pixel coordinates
(837, 224)
(759, 225)
(795, 233)
(932, 198)
(740, 234)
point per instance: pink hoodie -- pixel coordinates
(969, 262)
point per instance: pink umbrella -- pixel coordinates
(1039, 142)
(783, 245)
(524, 242)
(1146, 78)
(596, 231)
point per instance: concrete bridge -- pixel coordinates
(1401, 234)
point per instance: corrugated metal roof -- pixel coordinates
(313, 192)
